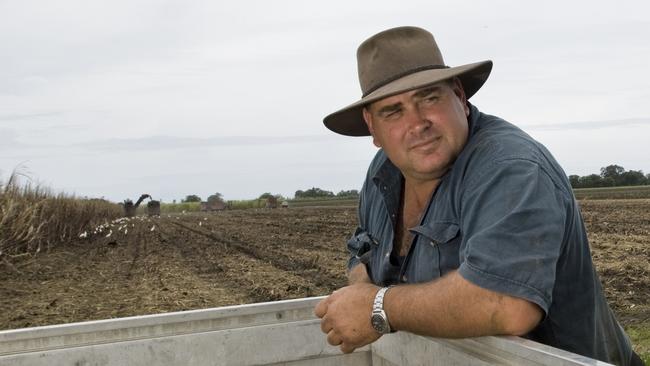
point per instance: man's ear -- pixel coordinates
(367, 117)
(460, 93)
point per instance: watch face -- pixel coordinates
(379, 323)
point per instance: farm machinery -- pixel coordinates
(153, 206)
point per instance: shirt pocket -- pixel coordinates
(444, 239)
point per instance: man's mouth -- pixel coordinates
(428, 143)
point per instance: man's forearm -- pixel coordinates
(452, 307)
(358, 274)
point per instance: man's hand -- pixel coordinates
(346, 315)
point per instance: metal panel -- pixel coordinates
(260, 345)
(155, 326)
(275, 333)
(418, 350)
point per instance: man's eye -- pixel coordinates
(392, 114)
(431, 98)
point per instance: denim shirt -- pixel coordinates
(505, 218)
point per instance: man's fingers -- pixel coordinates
(346, 348)
(333, 338)
(325, 326)
(321, 308)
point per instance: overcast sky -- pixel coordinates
(117, 98)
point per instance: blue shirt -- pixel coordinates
(505, 218)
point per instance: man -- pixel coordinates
(467, 226)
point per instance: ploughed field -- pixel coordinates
(200, 260)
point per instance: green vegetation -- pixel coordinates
(191, 198)
(634, 192)
(180, 207)
(320, 193)
(332, 201)
(631, 192)
(33, 219)
(244, 204)
(268, 195)
(640, 337)
(610, 176)
(313, 193)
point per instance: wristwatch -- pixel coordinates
(378, 319)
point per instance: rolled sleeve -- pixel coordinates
(513, 229)
(359, 245)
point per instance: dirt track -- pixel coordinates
(192, 261)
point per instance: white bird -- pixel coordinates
(109, 233)
(153, 228)
(84, 234)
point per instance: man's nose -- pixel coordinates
(418, 120)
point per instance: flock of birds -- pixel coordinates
(122, 225)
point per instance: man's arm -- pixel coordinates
(358, 274)
(453, 307)
(449, 307)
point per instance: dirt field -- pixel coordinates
(191, 261)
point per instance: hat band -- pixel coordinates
(401, 75)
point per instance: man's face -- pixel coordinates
(422, 131)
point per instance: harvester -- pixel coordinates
(130, 207)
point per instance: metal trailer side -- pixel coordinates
(274, 333)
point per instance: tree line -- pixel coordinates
(313, 192)
(611, 176)
(320, 193)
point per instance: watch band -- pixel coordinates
(379, 319)
(378, 304)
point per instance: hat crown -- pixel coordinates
(395, 53)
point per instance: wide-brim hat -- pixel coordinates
(395, 61)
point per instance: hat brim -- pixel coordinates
(349, 120)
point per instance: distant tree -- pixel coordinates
(632, 178)
(299, 193)
(314, 192)
(609, 182)
(592, 180)
(266, 195)
(217, 197)
(611, 171)
(191, 198)
(351, 193)
(611, 176)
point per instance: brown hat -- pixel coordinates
(399, 60)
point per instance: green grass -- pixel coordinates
(244, 204)
(180, 207)
(631, 192)
(307, 202)
(640, 337)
